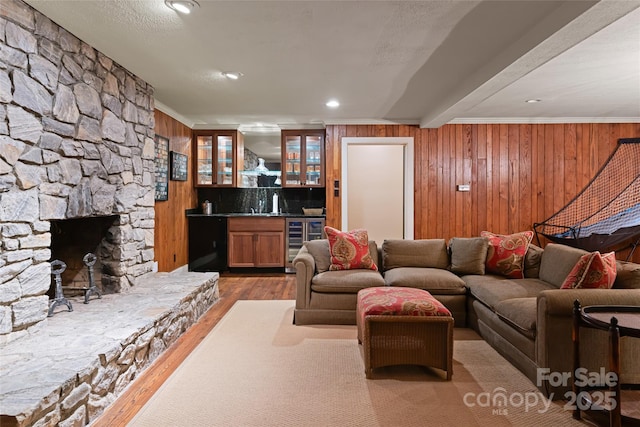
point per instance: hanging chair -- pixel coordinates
(605, 216)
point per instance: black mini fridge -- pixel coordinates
(207, 243)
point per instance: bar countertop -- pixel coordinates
(196, 213)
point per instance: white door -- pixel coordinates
(377, 181)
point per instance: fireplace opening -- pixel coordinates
(71, 241)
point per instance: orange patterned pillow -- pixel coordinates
(506, 253)
(349, 250)
(592, 271)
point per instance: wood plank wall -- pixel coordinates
(519, 173)
(171, 229)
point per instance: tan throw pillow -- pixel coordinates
(319, 250)
(468, 255)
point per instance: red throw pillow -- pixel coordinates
(349, 250)
(506, 253)
(592, 271)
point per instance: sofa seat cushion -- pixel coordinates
(346, 281)
(520, 313)
(491, 292)
(434, 280)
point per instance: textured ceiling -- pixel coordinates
(423, 62)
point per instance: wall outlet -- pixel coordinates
(463, 187)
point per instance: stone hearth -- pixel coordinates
(67, 373)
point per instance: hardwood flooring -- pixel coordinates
(232, 288)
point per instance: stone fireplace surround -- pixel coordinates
(76, 141)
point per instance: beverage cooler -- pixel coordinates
(300, 230)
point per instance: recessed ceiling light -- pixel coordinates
(233, 75)
(532, 101)
(332, 103)
(182, 6)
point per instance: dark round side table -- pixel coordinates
(619, 321)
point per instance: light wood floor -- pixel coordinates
(232, 288)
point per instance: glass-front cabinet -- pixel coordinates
(218, 154)
(303, 158)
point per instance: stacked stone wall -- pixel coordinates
(76, 140)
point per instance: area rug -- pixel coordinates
(256, 368)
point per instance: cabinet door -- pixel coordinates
(216, 158)
(270, 249)
(303, 158)
(315, 229)
(204, 160)
(295, 238)
(292, 157)
(224, 160)
(313, 161)
(241, 249)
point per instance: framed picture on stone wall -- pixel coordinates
(162, 168)
(179, 163)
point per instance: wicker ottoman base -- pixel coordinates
(390, 339)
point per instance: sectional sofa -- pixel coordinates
(528, 320)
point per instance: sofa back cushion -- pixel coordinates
(628, 275)
(532, 262)
(430, 253)
(557, 261)
(468, 254)
(319, 250)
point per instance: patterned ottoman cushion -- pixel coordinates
(398, 301)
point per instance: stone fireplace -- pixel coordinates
(76, 142)
(72, 240)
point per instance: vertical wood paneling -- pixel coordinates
(490, 180)
(171, 227)
(540, 172)
(473, 177)
(439, 219)
(503, 180)
(558, 167)
(482, 182)
(519, 174)
(513, 144)
(525, 219)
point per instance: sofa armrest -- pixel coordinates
(554, 323)
(305, 266)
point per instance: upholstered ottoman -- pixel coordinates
(404, 326)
